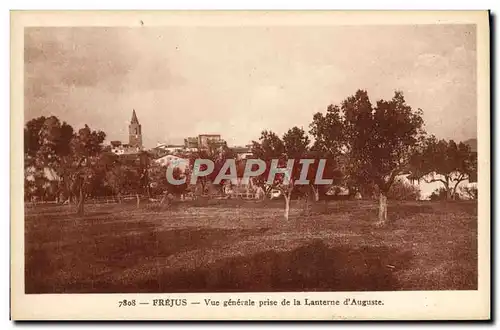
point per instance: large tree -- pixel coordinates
(122, 175)
(86, 147)
(282, 153)
(296, 144)
(218, 153)
(269, 147)
(330, 170)
(375, 142)
(380, 140)
(32, 141)
(327, 130)
(46, 147)
(160, 185)
(446, 162)
(100, 186)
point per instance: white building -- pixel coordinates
(427, 188)
(170, 148)
(179, 162)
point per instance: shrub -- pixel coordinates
(439, 194)
(469, 192)
(404, 191)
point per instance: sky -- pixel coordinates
(236, 81)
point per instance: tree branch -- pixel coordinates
(462, 177)
(436, 180)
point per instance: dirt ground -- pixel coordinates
(231, 246)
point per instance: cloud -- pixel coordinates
(237, 81)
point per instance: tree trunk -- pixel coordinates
(264, 194)
(306, 205)
(449, 195)
(316, 193)
(454, 192)
(203, 186)
(163, 198)
(448, 189)
(81, 201)
(287, 206)
(382, 209)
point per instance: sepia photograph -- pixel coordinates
(252, 157)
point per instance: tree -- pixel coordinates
(129, 174)
(444, 161)
(470, 192)
(124, 179)
(100, 185)
(180, 189)
(218, 153)
(330, 171)
(285, 153)
(269, 147)
(86, 147)
(328, 133)
(142, 164)
(296, 144)
(32, 140)
(46, 145)
(376, 141)
(159, 183)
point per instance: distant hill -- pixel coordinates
(472, 143)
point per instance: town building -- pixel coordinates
(170, 148)
(203, 141)
(191, 143)
(173, 160)
(135, 139)
(242, 152)
(135, 132)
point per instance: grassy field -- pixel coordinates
(248, 246)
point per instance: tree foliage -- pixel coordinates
(444, 161)
(375, 142)
(86, 147)
(364, 145)
(46, 147)
(217, 153)
(292, 147)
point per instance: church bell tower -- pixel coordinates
(134, 131)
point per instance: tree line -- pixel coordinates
(363, 145)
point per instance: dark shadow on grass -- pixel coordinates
(91, 261)
(400, 211)
(314, 267)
